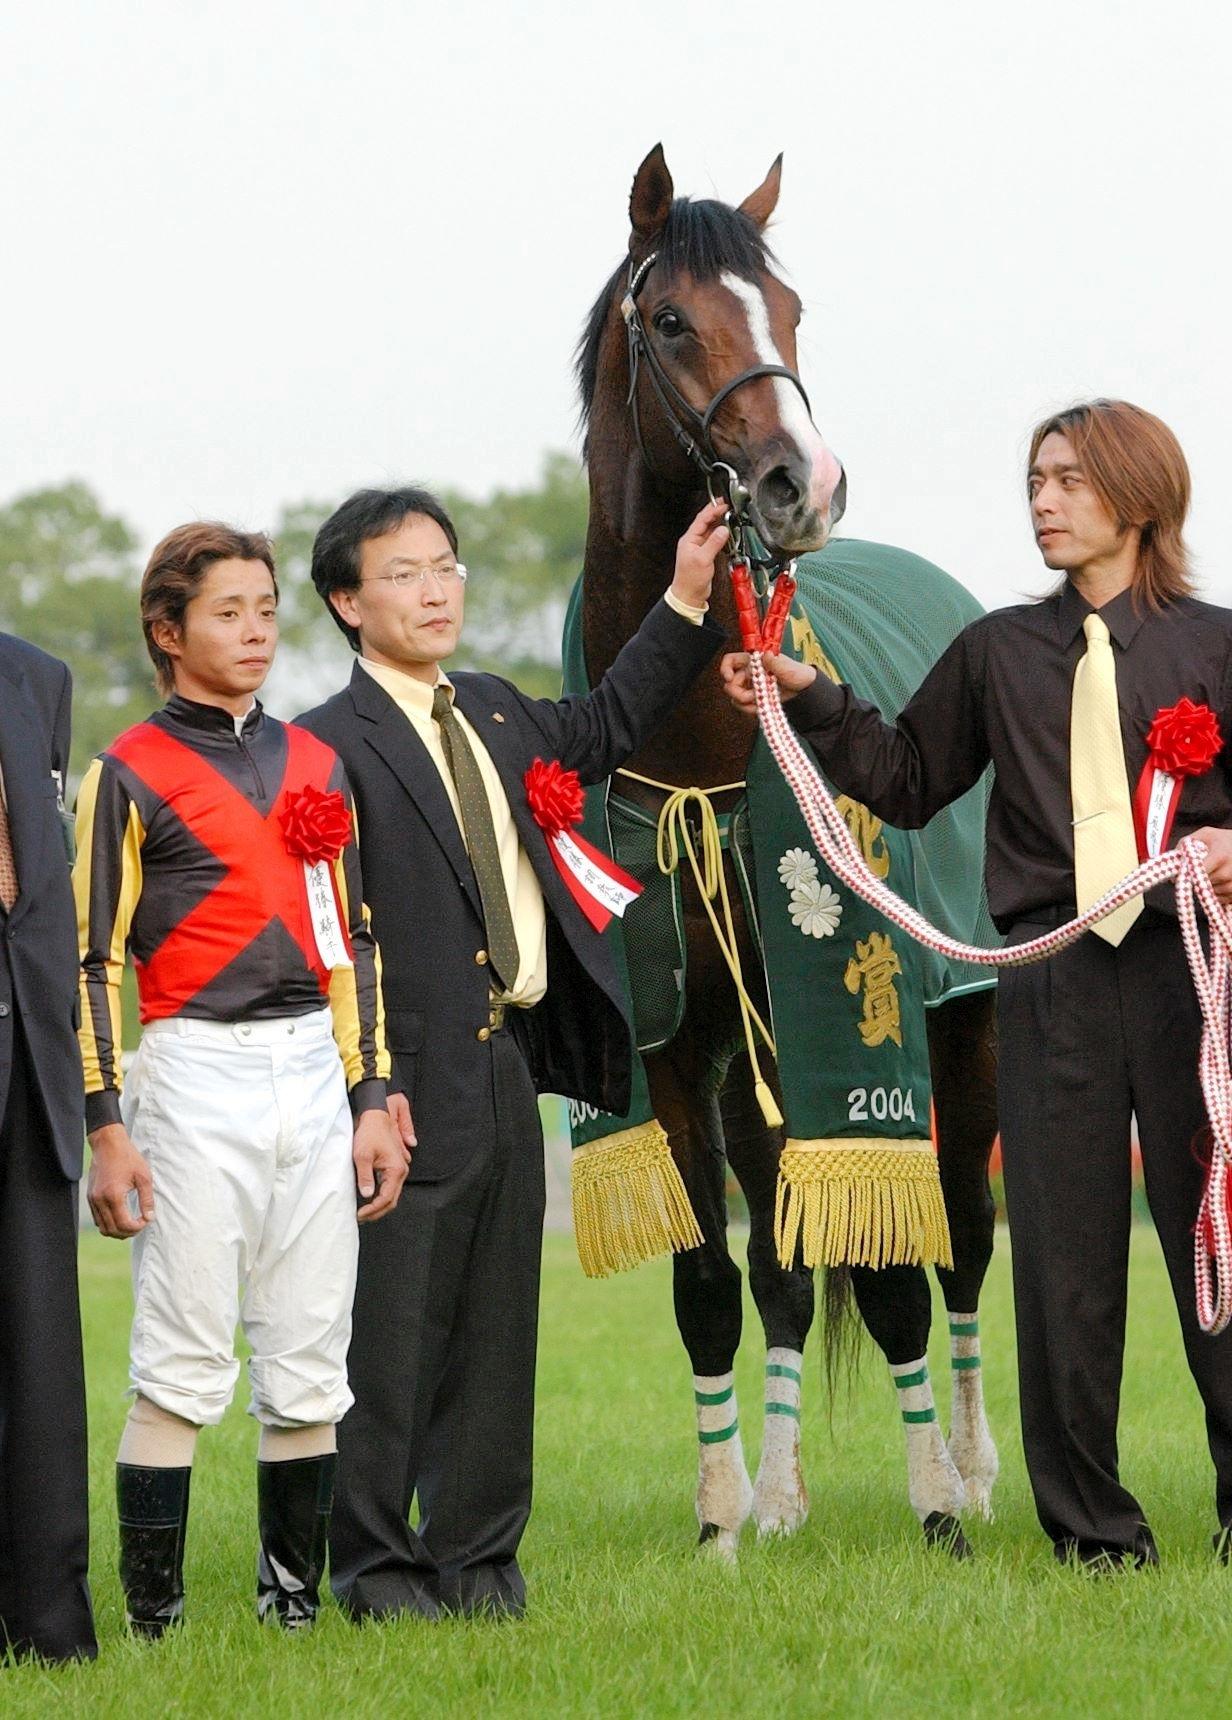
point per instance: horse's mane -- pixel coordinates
(704, 238)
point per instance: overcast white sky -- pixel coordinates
(266, 251)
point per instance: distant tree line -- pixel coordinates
(69, 574)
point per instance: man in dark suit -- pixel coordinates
(44, 1530)
(496, 988)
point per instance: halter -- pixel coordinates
(676, 409)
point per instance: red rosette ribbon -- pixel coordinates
(1185, 740)
(594, 880)
(316, 824)
(555, 795)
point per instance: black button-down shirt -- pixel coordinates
(1002, 692)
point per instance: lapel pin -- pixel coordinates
(497, 717)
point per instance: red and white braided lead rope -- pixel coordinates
(1184, 864)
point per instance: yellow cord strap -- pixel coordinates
(673, 835)
(672, 787)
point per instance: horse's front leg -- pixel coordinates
(784, 1301)
(962, 1052)
(706, 1289)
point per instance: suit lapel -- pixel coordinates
(391, 736)
(22, 749)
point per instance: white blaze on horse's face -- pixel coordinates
(794, 498)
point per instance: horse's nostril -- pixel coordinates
(778, 491)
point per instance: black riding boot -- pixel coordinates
(293, 1505)
(153, 1510)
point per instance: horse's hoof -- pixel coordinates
(780, 1525)
(777, 1514)
(780, 1502)
(942, 1530)
(979, 1495)
(975, 1458)
(719, 1543)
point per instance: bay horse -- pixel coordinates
(712, 310)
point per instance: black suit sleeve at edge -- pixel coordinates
(595, 733)
(62, 733)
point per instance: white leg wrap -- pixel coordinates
(933, 1483)
(724, 1491)
(971, 1444)
(780, 1500)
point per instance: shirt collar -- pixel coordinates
(212, 719)
(407, 689)
(1119, 615)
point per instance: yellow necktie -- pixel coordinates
(1105, 847)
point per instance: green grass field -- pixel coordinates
(849, 1617)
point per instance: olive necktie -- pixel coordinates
(480, 834)
(8, 867)
(1105, 847)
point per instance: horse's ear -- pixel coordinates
(650, 201)
(759, 205)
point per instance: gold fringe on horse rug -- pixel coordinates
(629, 1203)
(860, 1203)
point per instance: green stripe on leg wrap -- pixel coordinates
(964, 1328)
(773, 1408)
(775, 1372)
(713, 1397)
(964, 1361)
(918, 1378)
(719, 1434)
(918, 1415)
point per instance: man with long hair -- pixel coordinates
(215, 846)
(1077, 701)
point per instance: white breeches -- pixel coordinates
(247, 1132)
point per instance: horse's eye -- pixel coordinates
(668, 322)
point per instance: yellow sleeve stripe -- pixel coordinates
(355, 996)
(103, 945)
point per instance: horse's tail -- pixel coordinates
(841, 1333)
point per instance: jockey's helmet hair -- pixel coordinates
(338, 546)
(173, 576)
(1137, 468)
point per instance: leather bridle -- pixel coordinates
(690, 427)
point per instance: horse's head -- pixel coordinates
(710, 368)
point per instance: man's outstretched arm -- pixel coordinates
(905, 772)
(595, 733)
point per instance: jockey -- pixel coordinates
(215, 845)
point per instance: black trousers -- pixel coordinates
(442, 1365)
(44, 1522)
(1088, 1038)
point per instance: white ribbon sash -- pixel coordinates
(598, 885)
(326, 923)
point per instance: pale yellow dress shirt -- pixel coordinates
(414, 699)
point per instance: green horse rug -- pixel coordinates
(858, 1178)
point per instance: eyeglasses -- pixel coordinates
(449, 573)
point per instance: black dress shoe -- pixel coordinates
(382, 1595)
(293, 1505)
(1101, 1561)
(153, 1512)
(484, 1591)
